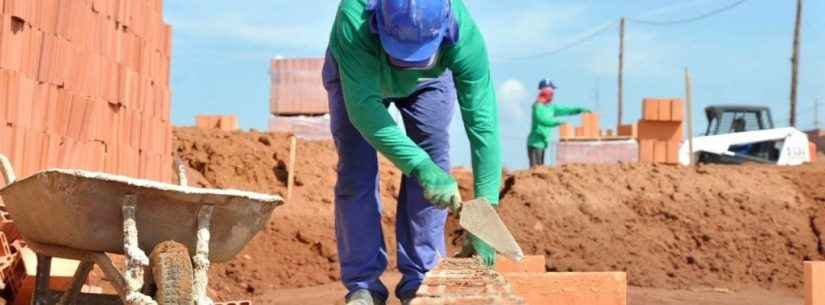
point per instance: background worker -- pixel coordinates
(545, 117)
(421, 56)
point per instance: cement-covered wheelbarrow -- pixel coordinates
(83, 215)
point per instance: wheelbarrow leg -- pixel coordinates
(70, 296)
(136, 259)
(41, 285)
(201, 258)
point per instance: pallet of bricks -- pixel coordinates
(660, 132)
(84, 84)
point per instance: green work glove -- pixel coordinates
(440, 188)
(483, 250)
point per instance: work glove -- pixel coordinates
(475, 246)
(440, 188)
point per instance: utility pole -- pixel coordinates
(795, 62)
(689, 110)
(621, 72)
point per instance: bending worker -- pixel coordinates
(545, 117)
(422, 56)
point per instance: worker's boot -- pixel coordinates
(364, 297)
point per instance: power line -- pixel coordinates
(690, 19)
(572, 44)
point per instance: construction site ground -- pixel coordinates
(705, 235)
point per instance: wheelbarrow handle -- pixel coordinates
(8, 171)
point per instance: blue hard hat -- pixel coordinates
(411, 31)
(544, 83)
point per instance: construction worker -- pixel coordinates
(545, 117)
(422, 56)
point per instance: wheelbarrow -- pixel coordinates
(83, 215)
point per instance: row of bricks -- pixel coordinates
(659, 109)
(131, 75)
(465, 282)
(31, 151)
(222, 122)
(48, 109)
(81, 20)
(653, 151)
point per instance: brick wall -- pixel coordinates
(85, 84)
(597, 152)
(296, 87)
(465, 281)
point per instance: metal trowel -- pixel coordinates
(480, 219)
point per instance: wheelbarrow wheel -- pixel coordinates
(172, 271)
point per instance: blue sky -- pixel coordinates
(222, 49)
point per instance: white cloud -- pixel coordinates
(297, 36)
(513, 99)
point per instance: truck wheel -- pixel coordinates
(172, 271)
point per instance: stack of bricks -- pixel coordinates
(465, 281)
(297, 88)
(588, 130)
(85, 84)
(660, 132)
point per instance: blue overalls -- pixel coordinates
(419, 227)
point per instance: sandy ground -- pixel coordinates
(333, 294)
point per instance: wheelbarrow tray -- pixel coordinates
(83, 210)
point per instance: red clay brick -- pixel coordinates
(661, 131)
(815, 283)
(629, 130)
(32, 151)
(51, 146)
(660, 151)
(25, 98)
(664, 109)
(650, 109)
(566, 131)
(646, 151)
(677, 109)
(608, 288)
(531, 263)
(40, 108)
(17, 148)
(672, 154)
(76, 116)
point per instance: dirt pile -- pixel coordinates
(297, 248)
(669, 227)
(673, 227)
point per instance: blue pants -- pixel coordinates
(419, 226)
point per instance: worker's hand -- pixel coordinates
(483, 250)
(440, 188)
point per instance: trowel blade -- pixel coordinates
(481, 219)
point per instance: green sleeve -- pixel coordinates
(358, 62)
(566, 110)
(470, 66)
(545, 117)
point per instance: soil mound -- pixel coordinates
(669, 227)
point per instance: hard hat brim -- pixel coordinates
(410, 52)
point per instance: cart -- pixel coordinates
(83, 215)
